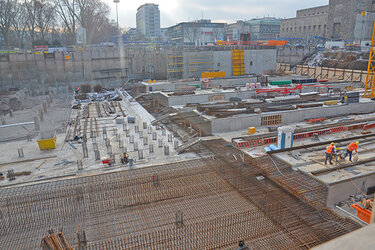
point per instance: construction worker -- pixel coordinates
(329, 152)
(351, 147)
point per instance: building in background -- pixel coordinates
(148, 21)
(234, 31)
(131, 34)
(199, 33)
(266, 28)
(309, 25)
(350, 20)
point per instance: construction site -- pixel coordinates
(215, 148)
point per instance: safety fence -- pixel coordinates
(299, 136)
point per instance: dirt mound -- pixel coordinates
(12, 100)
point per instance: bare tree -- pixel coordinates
(7, 13)
(66, 10)
(19, 25)
(191, 33)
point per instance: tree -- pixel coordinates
(191, 32)
(7, 14)
(19, 25)
(66, 10)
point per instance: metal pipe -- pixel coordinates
(354, 217)
(16, 124)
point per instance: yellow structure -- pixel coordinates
(238, 62)
(217, 74)
(370, 78)
(332, 102)
(251, 130)
(47, 144)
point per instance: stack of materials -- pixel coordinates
(351, 97)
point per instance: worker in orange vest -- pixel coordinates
(351, 147)
(329, 152)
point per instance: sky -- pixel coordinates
(176, 11)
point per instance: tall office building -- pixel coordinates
(148, 20)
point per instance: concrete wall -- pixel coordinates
(259, 61)
(204, 98)
(256, 61)
(293, 56)
(341, 191)
(101, 65)
(242, 122)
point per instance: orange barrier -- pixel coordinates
(369, 126)
(259, 142)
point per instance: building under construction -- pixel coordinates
(226, 158)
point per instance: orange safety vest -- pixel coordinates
(352, 146)
(329, 149)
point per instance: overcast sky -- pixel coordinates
(176, 11)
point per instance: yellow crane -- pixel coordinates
(370, 78)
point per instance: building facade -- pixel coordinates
(233, 31)
(267, 28)
(346, 22)
(198, 33)
(309, 25)
(148, 21)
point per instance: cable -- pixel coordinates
(274, 163)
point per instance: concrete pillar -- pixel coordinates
(140, 154)
(45, 107)
(166, 150)
(97, 155)
(85, 150)
(109, 150)
(41, 115)
(36, 124)
(79, 165)
(20, 153)
(95, 147)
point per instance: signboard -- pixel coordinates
(41, 47)
(364, 13)
(67, 57)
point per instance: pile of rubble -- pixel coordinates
(12, 101)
